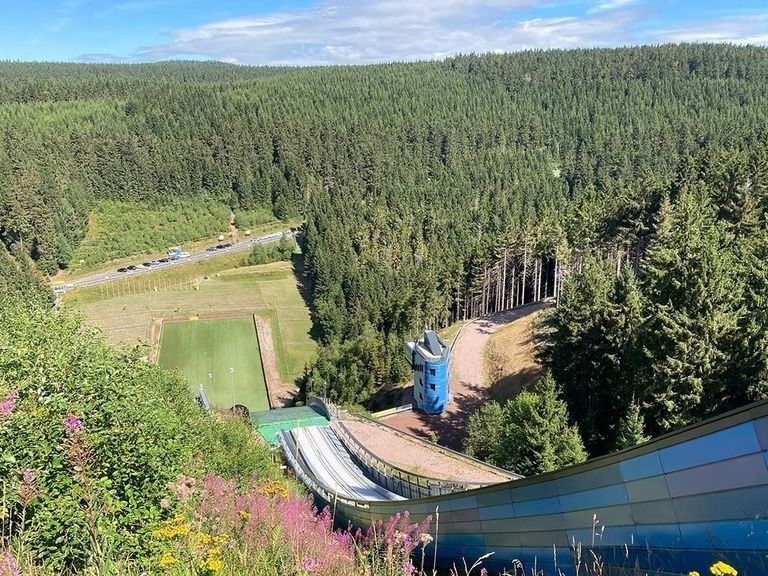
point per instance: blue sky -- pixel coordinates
(300, 32)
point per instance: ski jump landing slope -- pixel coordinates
(672, 505)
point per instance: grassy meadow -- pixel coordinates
(126, 309)
(222, 355)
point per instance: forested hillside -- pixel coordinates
(431, 191)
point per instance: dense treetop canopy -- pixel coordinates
(412, 178)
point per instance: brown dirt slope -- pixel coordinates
(418, 456)
(280, 393)
(468, 381)
(510, 359)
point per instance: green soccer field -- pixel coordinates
(222, 355)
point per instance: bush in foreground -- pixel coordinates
(90, 439)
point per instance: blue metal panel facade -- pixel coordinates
(676, 504)
(435, 388)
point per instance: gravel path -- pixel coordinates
(418, 456)
(468, 382)
(281, 394)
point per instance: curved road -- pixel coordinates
(103, 277)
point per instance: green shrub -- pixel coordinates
(266, 253)
(90, 439)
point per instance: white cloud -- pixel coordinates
(351, 32)
(612, 5)
(750, 28)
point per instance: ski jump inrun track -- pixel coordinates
(678, 503)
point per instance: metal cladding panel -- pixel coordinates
(660, 511)
(597, 498)
(537, 507)
(603, 476)
(610, 516)
(749, 534)
(654, 488)
(610, 536)
(736, 441)
(496, 512)
(643, 466)
(761, 429)
(435, 400)
(738, 472)
(535, 491)
(739, 504)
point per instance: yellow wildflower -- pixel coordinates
(693, 573)
(273, 488)
(245, 515)
(172, 528)
(720, 568)
(210, 564)
(166, 560)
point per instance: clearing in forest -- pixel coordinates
(221, 355)
(129, 310)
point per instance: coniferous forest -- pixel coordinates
(629, 184)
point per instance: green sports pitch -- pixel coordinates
(222, 355)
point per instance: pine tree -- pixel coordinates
(631, 428)
(484, 431)
(694, 304)
(537, 436)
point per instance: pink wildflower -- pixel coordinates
(408, 568)
(309, 565)
(28, 489)
(73, 425)
(483, 571)
(8, 565)
(78, 453)
(8, 404)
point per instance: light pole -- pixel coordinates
(232, 383)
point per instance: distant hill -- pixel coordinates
(413, 178)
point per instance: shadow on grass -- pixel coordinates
(303, 281)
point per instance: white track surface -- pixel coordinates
(329, 461)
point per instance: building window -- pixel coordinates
(421, 383)
(431, 371)
(431, 386)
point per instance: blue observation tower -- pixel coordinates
(429, 360)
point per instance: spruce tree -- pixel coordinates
(537, 436)
(631, 428)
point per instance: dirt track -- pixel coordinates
(280, 393)
(417, 456)
(468, 382)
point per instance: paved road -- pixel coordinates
(102, 277)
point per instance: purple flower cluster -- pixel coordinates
(8, 404)
(8, 565)
(73, 425)
(309, 565)
(254, 514)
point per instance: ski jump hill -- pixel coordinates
(675, 504)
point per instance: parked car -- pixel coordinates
(146, 264)
(227, 245)
(132, 267)
(219, 246)
(122, 269)
(162, 260)
(211, 249)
